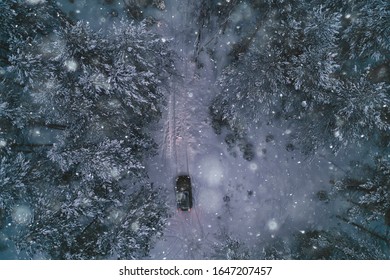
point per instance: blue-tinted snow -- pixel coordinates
(271, 196)
(274, 195)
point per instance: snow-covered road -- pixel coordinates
(254, 201)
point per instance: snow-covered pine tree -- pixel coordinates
(291, 61)
(369, 200)
(334, 244)
(228, 247)
(99, 91)
(367, 31)
(296, 65)
(311, 244)
(14, 171)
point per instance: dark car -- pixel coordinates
(183, 190)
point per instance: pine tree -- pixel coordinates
(368, 200)
(230, 248)
(296, 67)
(88, 189)
(367, 31)
(334, 244)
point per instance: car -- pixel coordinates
(183, 191)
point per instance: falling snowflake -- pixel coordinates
(22, 215)
(272, 225)
(71, 65)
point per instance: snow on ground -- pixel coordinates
(272, 195)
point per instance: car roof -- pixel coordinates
(183, 177)
(183, 181)
(183, 187)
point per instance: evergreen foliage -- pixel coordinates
(299, 63)
(368, 200)
(88, 189)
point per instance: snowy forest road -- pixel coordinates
(253, 201)
(185, 141)
(186, 149)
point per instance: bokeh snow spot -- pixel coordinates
(253, 166)
(71, 65)
(33, 2)
(22, 215)
(3, 143)
(115, 174)
(212, 171)
(135, 226)
(261, 151)
(115, 216)
(272, 225)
